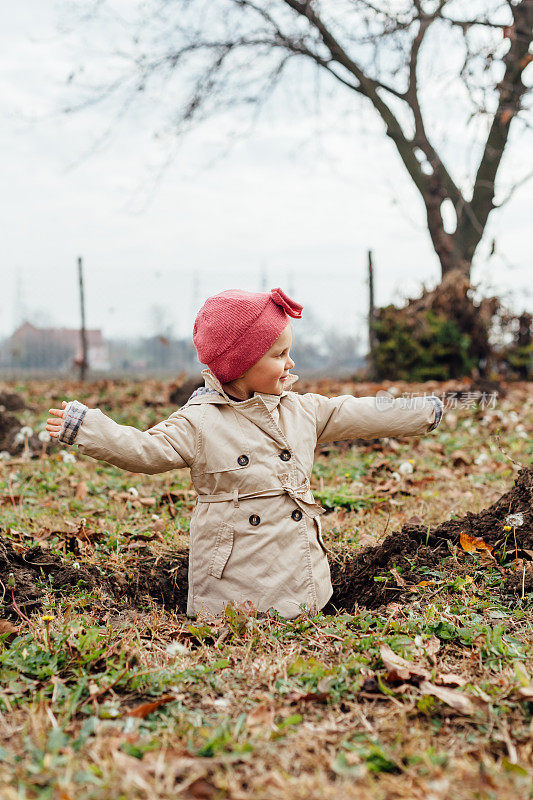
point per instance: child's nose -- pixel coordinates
(291, 362)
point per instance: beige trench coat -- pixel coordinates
(255, 532)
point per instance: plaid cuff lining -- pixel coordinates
(75, 412)
(437, 402)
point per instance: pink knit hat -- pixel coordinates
(235, 328)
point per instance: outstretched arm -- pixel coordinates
(348, 417)
(170, 444)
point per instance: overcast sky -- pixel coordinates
(297, 204)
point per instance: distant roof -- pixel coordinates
(72, 335)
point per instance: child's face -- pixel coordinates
(267, 374)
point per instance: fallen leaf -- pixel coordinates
(451, 697)
(133, 498)
(370, 684)
(399, 580)
(159, 526)
(177, 494)
(417, 482)
(145, 709)
(378, 464)
(260, 716)
(145, 537)
(366, 539)
(82, 490)
(307, 697)
(450, 679)
(201, 789)
(527, 691)
(8, 628)
(388, 487)
(398, 668)
(324, 684)
(486, 558)
(472, 543)
(460, 457)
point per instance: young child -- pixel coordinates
(249, 442)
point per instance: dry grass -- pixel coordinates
(264, 708)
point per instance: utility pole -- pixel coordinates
(20, 311)
(83, 333)
(371, 332)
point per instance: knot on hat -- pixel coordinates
(234, 329)
(292, 308)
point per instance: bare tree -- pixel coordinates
(229, 53)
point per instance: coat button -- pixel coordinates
(296, 514)
(285, 455)
(254, 519)
(243, 460)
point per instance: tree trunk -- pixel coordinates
(448, 246)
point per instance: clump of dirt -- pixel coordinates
(162, 576)
(9, 424)
(353, 576)
(24, 573)
(11, 401)
(9, 427)
(28, 575)
(15, 439)
(514, 508)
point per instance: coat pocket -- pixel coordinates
(319, 534)
(222, 550)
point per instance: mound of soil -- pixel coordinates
(9, 424)
(16, 445)
(9, 427)
(26, 576)
(414, 547)
(11, 401)
(162, 576)
(489, 523)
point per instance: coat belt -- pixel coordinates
(309, 507)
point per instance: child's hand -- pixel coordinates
(53, 426)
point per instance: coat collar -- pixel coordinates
(218, 395)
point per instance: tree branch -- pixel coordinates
(368, 87)
(513, 189)
(511, 89)
(229, 54)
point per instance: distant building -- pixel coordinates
(53, 348)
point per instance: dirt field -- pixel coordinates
(416, 681)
